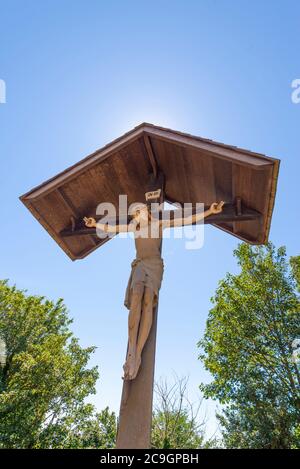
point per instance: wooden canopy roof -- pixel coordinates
(195, 170)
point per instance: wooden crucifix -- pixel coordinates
(179, 168)
(142, 299)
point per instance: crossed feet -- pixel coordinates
(132, 365)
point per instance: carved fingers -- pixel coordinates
(89, 222)
(217, 207)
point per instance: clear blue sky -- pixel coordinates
(80, 73)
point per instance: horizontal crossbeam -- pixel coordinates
(229, 214)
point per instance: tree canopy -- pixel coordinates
(44, 377)
(248, 349)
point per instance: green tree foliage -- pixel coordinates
(97, 431)
(44, 379)
(295, 265)
(247, 347)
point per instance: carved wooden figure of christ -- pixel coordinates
(146, 273)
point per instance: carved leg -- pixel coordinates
(145, 326)
(133, 327)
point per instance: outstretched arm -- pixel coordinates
(194, 218)
(91, 223)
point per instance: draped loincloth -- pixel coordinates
(149, 273)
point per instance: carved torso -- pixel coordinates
(148, 243)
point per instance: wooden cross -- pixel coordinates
(135, 417)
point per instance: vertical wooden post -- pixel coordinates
(135, 419)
